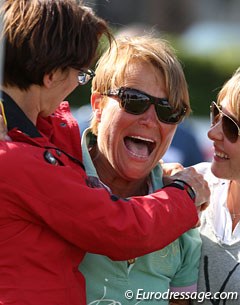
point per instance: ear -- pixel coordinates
(96, 104)
(53, 77)
(48, 79)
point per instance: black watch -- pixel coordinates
(182, 185)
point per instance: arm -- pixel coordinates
(91, 219)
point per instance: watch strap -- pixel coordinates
(182, 185)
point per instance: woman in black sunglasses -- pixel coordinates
(139, 97)
(220, 223)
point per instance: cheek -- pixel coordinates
(233, 150)
(107, 120)
(108, 127)
(112, 117)
(167, 134)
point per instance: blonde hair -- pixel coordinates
(111, 68)
(231, 91)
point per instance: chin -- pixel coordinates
(216, 171)
(219, 173)
(45, 114)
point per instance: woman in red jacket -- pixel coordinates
(49, 217)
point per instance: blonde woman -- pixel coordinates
(139, 96)
(220, 223)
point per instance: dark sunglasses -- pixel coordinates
(84, 76)
(230, 128)
(136, 102)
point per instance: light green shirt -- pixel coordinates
(175, 267)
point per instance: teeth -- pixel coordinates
(221, 155)
(141, 138)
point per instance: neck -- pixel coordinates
(119, 185)
(233, 201)
(26, 100)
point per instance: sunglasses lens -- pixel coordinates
(134, 102)
(229, 129)
(166, 114)
(215, 114)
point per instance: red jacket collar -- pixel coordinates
(58, 130)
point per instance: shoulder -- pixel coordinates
(18, 154)
(203, 168)
(15, 158)
(11, 147)
(156, 177)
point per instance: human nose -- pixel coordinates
(149, 117)
(215, 132)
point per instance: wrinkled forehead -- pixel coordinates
(142, 71)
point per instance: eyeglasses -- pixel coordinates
(136, 102)
(230, 128)
(84, 76)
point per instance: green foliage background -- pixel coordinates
(205, 77)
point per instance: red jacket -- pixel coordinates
(49, 217)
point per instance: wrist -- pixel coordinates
(182, 185)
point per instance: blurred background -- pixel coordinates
(206, 37)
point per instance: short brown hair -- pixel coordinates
(42, 36)
(110, 72)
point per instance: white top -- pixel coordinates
(219, 217)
